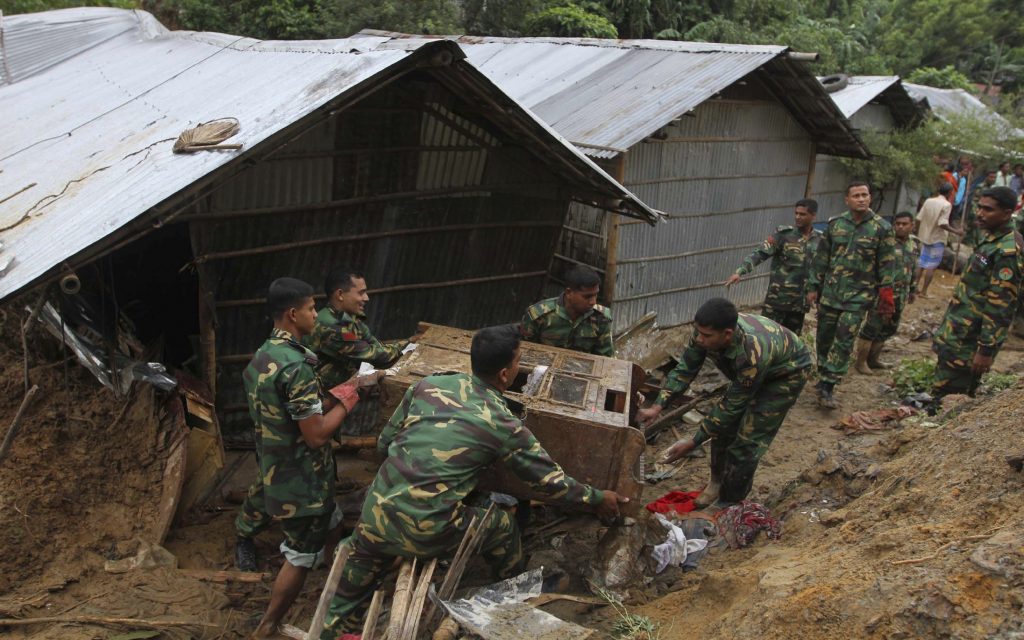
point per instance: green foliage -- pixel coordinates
(628, 626)
(993, 382)
(908, 156)
(570, 20)
(12, 7)
(946, 78)
(914, 376)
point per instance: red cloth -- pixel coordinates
(677, 501)
(740, 523)
(886, 303)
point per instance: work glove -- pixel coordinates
(886, 303)
(347, 394)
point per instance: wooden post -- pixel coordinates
(207, 316)
(612, 246)
(337, 566)
(812, 163)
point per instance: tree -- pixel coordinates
(946, 78)
(570, 21)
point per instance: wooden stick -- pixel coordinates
(932, 556)
(400, 602)
(12, 431)
(78, 604)
(207, 575)
(545, 598)
(470, 543)
(316, 627)
(356, 442)
(664, 421)
(372, 614)
(447, 630)
(137, 622)
(412, 618)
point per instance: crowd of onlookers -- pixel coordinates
(969, 181)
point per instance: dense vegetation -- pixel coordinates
(970, 45)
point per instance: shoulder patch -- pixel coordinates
(1006, 273)
(349, 336)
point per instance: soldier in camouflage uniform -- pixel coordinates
(768, 366)
(341, 339)
(973, 234)
(296, 466)
(877, 330)
(791, 250)
(446, 433)
(853, 271)
(573, 320)
(984, 301)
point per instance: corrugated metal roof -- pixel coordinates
(86, 146)
(888, 90)
(608, 95)
(953, 101)
(861, 90)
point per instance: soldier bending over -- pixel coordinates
(767, 364)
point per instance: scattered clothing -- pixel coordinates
(740, 523)
(877, 420)
(677, 501)
(676, 548)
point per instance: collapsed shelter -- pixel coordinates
(722, 138)
(408, 163)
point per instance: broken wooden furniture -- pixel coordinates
(580, 411)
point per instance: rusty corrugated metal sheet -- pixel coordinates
(607, 95)
(85, 159)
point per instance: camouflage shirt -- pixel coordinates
(341, 342)
(904, 282)
(853, 261)
(282, 388)
(985, 299)
(548, 322)
(761, 351)
(445, 433)
(791, 254)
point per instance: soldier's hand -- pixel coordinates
(981, 364)
(678, 450)
(733, 279)
(609, 507)
(812, 298)
(646, 416)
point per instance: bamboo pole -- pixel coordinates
(104, 620)
(316, 626)
(400, 601)
(412, 617)
(372, 615)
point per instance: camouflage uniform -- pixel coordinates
(444, 435)
(877, 328)
(296, 481)
(342, 342)
(548, 322)
(768, 366)
(980, 312)
(854, 260)
(791, 254)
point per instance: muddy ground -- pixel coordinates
(77, 493)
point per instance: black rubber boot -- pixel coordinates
(245, 554)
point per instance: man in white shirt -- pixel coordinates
(932, 226)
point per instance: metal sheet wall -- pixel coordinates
(462, 236)
(726, 175)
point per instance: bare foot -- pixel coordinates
(273, 632)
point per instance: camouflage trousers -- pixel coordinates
(304, 537)
(735, 455)
(877, 329)
(789, 318)
(953, 370)
(372, 553)
(252, 517)
(837, 330)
